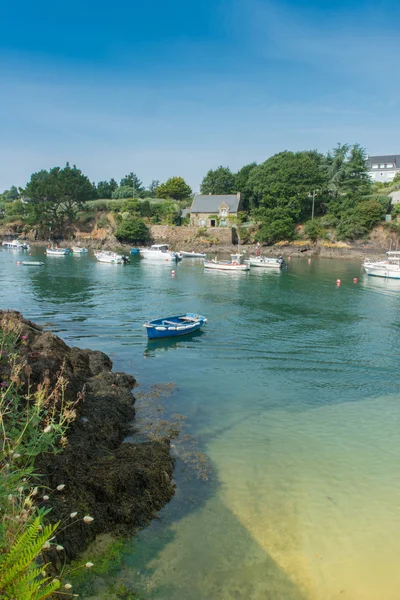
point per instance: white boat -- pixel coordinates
(106, 256)
(159, 252)
(16, 245)
(222, 265)
(265, 262)
(33, 263)
(57, 251)
(79, 250)
(184, 254)
(389, 268)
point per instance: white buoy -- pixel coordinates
(173, 273)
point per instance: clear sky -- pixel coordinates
(178, 87)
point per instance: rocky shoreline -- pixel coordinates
(120, 484)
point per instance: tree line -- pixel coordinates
(322, 191)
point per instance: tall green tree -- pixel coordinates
(57, 195)
(175, 187)
(347, 171)
(241, 184)
(286, 180)
(133, 181)
(219, 181)
(105, 189)
(11, 194)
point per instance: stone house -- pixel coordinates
(215, 211)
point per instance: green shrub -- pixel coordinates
(132, 229)
(313, 230)
(125, 191)
(103, 222)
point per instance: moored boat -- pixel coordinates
(159, 252)
(57, 251)
(265, 262)
(221, 265)
(168, 327)
(106, 256)
(79, 250)
(389, 268)
(184, 254)
(32, 263)
(16, 245)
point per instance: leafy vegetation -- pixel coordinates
(175, 187)
(132, 229)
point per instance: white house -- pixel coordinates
(383, 168)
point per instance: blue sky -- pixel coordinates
(176, 88)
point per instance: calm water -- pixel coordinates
(292, 392)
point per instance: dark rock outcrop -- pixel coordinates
(121, 485)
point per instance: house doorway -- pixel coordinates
(212, 222)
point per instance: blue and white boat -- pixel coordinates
(168, 327)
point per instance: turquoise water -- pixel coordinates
(292, 392)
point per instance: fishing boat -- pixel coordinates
(159, 252)
(222, 265)
(389, 268)
(265, 262)
(16, 245)
(184, 254)
(57, 251)
(32, 263)
(106, 256)
(79, 250)
(168, 327)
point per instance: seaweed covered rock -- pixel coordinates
(121, 485)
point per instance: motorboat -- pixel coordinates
(32, 263)
(159, 252)
(16, 245)
(52, 251)
(79, 250)
(265, 262)
(389, 268)
(106, 256)
(222, 265)
(184, 254)
(168, 327)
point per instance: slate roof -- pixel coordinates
(393, 159)
(211, 204)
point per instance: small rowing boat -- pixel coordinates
(174, 326)
(221, 265)
(184, 254)
(79, 250)
(32, 263)
(57, 251)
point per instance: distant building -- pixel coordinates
(214, 211)
(383, 168)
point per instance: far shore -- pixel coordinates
(294, 249)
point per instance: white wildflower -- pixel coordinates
(68, 586)
(73, 515)
(89, 565)
(34, 491)
(45, 497)
(43, 574)
(10, 497)
(20, 489)
(87, 519)
(46, 546)
(61, 487)
(47, 429)
(17, 456)
(59, 548)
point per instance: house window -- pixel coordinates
(381, 166)
(222, 223)
(374, 166)
(202, 223)
(222, 212)
(389, 166)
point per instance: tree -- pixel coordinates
(285, 180)
(218, 181)
(175, 187)
(276, 225)
(134, 183)
(153, 187)
(11, 194)
(105, 189)
(313, 230)
(124, 191)
(241, 184)
(347, 171)
(132, 229)
(358, 221)
(57, 195)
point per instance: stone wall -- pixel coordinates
(185, 234)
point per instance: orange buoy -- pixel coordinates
(18, 263)
(355, 280)
(309, 261)
(288, 257)
(338, 282)
(173, 273)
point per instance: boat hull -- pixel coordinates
(387, 273)
(184, 254)
(32, 263)
(221, 266)
(170, 327)
(267, 263)
(60, 252)
(77, 250)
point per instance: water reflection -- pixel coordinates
(154, 347)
